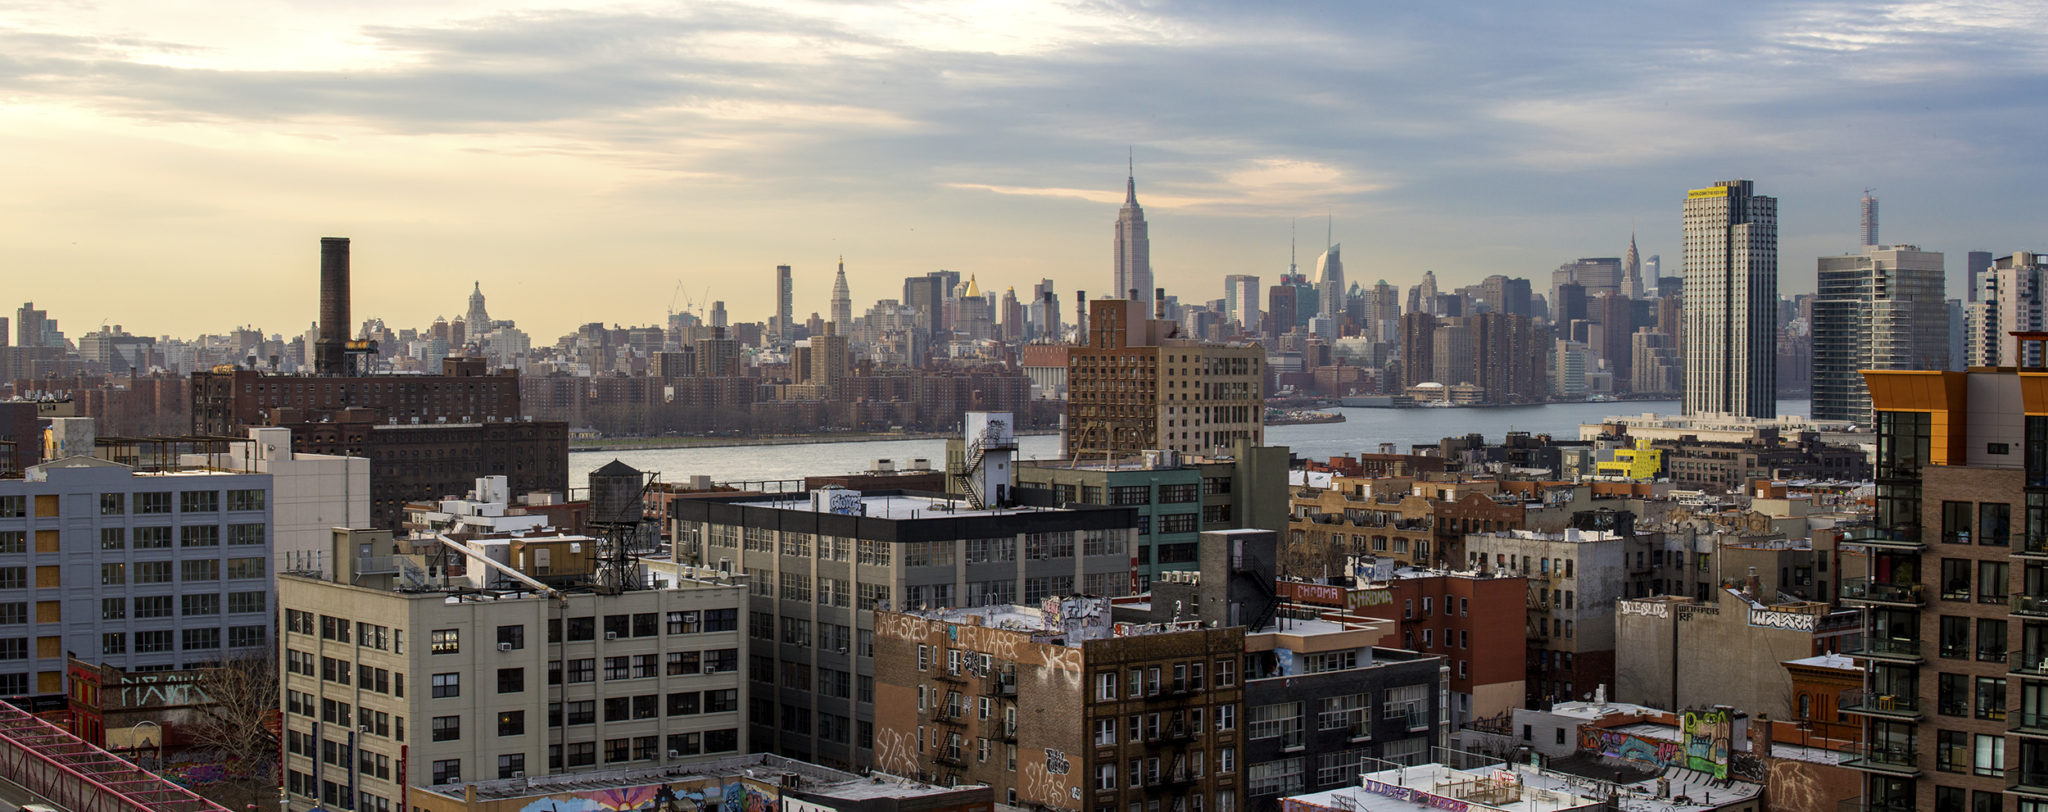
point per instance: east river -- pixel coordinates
(1363, 430)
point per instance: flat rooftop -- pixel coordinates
(810, 777)
(894, 506)
(1435, 785)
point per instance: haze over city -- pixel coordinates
(168, 169)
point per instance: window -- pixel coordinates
(199, 502)
(511, 680)
(1991, 698)
(242, 534)
(152, 572)
(14, 613)
(203, 603)
(201, 639)
(1955, 579)
(1989, 755)
(1280, 720)
(245, 568)
(449, 771)
(1994, 524)
(113, 504)
(152, 538)
(14, 578)
(1991, 641)
(1955, 522)
(1350, 712)
(205, 569)
(512, 765)
(113, 538)
(113, 643)
(447, 728)
(199, 535)
(242, 603)
(113, 608)
(447, 685)
(153, 502)
(153, 606)
(445, 641)
(1277, 777)
(245, 500)
(512, 723)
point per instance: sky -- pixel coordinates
(170, 166)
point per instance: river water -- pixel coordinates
(1362, 431)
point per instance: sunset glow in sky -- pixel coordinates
(170, 167)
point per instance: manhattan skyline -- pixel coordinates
(182, 164)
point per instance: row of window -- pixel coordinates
(198, 604)
(513, 637)
(144, 503)
(1147, 681)
(159, 642)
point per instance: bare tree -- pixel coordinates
(237, 714)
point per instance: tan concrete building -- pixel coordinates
(1135, 386)
(1675, 653)
(396, 681)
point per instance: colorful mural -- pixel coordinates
(1608, 743)
(743, 795)
(1706, 740)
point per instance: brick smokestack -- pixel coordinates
(330, 348)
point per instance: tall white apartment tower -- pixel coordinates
(1731, 300)
(1869, 222)
(1133, 261)
(1241, 299)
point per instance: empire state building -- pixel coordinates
(1133, 249)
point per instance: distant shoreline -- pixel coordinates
(664, 443)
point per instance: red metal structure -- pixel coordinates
(46, 760)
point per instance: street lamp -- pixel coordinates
(135, 738)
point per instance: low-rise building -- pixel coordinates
(1674, 652)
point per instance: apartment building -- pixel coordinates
(399, 684)
(1057, 707)
(1135, 385)
(820, 564)
(1475, 620)
(1574, 579)
(1958, 558)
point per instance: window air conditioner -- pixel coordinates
(504, 646)
(611, 635)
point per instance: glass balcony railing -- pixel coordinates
(2031, 545)
(2025, 781)
(2029, 663)
(1886, 758)
(1878, 703)
(1862, 805)
(2030, 605)
(2027, 723)
(1883, 537)
(1877, 591)
(1884, 648)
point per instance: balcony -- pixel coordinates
(1879, 758)
(1884, 648)
(2028, 663)
(2030, 606)
(1884, 537)
(1874, 703)
(1861, 805)
(2026, 546)
(1872, 590)
(2029, 783)
(2027, 723)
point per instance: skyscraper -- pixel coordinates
(1653, 272)
(784, 304)
(478, 319)
(1133, 275)
(1880, 308)
(1869, 224)
(842, 302)
(2011, 299)
(1731, 301)
(1241, 300)
(1330, 283)
(1632, 271)
(1977, 262)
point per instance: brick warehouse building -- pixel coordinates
(426, 436)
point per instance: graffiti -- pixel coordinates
(1797, 785)
(895, 751)
(1051, 610)
(1706, 741)
(1041, 786)
(1361, 598)
(1656, 609)
(1658, 754)
(1686, 611)
(736, 796)
(1055, 762)
(1747, 767)
(1416, 796)
(1315, 593)
(1765, 618)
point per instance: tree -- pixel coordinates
(238, 715)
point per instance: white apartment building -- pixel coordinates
(393, 680)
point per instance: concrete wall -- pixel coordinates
(1675, 655)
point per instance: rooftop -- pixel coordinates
(763, 766)
(891, 506)
(1435, 785)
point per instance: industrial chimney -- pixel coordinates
(330, 348)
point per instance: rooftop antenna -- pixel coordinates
(1291, 221)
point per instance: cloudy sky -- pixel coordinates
(170, 166)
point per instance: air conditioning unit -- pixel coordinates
(366, 728)
(842, 649)
(675, 754)
(518, 773)
(611, 635)
(504, 646)
(710, 669)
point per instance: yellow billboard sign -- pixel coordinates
(1712, 191)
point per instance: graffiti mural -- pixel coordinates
(1706, 741)
(1610, 744)
(743, 795)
